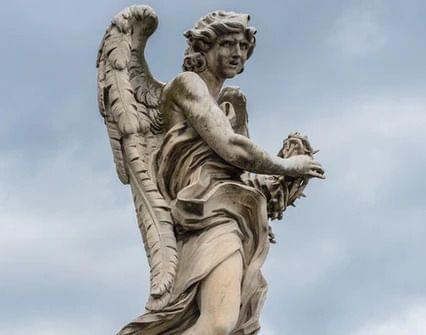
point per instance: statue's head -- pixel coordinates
(221, 42)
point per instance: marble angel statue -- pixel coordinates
(203, 191)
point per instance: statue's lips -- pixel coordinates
(233, 65)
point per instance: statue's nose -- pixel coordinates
(236, 51)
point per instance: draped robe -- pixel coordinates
(216, 214)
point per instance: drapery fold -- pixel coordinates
(215, 215)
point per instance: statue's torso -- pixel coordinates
(196, 180)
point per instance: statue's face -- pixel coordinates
(228, 55)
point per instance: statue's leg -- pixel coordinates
(220, 298)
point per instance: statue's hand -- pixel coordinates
(304, 166)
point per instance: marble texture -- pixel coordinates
(203, 190)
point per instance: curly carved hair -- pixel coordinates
(205, 32)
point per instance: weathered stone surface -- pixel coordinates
(203, 191)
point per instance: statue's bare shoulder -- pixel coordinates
(186, 84)
(181, 95)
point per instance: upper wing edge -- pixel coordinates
(128, 94)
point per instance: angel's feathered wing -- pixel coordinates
(128, 97)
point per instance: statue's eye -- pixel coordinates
(244, 46)
(225, 44)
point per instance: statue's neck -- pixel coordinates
(214, 84)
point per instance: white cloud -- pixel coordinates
(368, 142)
(358, 31)
(266, 329)
(308, 263)
(411, 322)
(88, 326)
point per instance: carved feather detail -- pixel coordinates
(129, 102)
(121, 95)
(115, 141)
(155, 223)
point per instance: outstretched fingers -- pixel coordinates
(316, 166)
(315, 174)
(316, 170)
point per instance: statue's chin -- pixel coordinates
(231, 72)
(230, 75)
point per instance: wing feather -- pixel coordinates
(129, 102)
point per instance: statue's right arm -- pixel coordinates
(190, 95)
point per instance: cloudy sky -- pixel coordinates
(350, 74)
